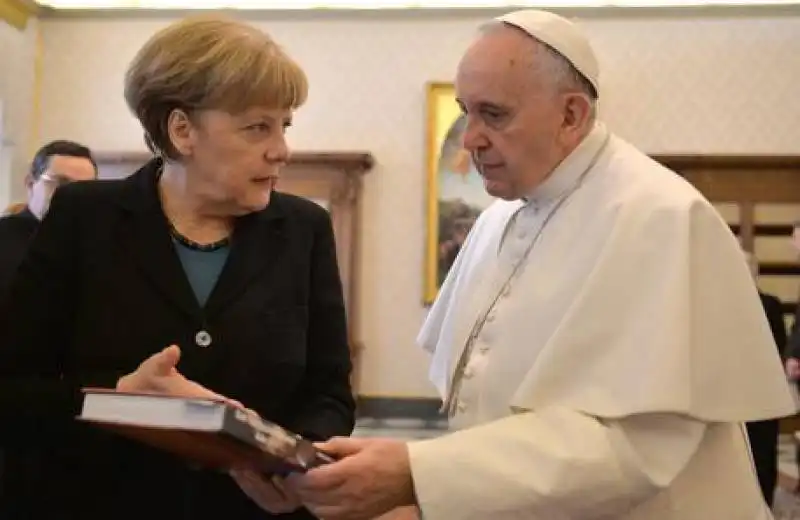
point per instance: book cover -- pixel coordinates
(204, 432)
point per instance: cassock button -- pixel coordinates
(202, 339)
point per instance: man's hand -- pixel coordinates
(372, 477)
(402, 513)
(793, 368)
(158, 374)
(270, 494)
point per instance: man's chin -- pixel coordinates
(499, 190)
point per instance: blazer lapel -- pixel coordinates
(145, 238)
(256, 244)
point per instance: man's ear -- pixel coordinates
(29, 181)
(577, 112)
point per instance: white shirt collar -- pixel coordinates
(569, 171)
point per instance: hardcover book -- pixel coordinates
(205, 432)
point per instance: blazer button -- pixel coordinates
(202, 339)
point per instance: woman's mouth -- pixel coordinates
(266, 181)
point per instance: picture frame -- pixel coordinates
(455, 193)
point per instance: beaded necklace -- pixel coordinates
(186, 241)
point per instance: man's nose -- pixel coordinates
(474, 137)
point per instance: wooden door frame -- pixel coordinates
(744, 180)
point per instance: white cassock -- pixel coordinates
(608, 376)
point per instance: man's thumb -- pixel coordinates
(340, 447)
(166, 360)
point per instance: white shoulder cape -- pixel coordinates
(637, 299)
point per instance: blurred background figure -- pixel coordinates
(764, 434)
(793, 348)
(54, 165)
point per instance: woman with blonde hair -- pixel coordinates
(191, 274)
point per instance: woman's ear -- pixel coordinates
(181, 132)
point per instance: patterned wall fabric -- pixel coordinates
(670, 84)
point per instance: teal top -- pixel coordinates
(202, 268)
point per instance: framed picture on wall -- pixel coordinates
(455, 192)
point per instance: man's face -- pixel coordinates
(62, 169)
(519, 126)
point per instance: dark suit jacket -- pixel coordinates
(774, 311)
(793, 348)
(16, 232)
(102, 289)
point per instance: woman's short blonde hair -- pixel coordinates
(202, 63)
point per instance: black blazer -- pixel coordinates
(793, 347)
(102, 289)
(16, 232)
(774, 311)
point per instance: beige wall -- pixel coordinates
(17, 50)
(706, 84)
(772, 249)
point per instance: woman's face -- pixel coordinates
(232, 161)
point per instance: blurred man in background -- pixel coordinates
(763, 435)
(793, 348)
(55, 164)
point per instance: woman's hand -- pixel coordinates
(158, 374)
(269, 493)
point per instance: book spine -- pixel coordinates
(276, 444)
(235, 424)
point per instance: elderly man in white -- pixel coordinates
(597, 340)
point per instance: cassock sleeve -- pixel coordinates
(555, 463)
